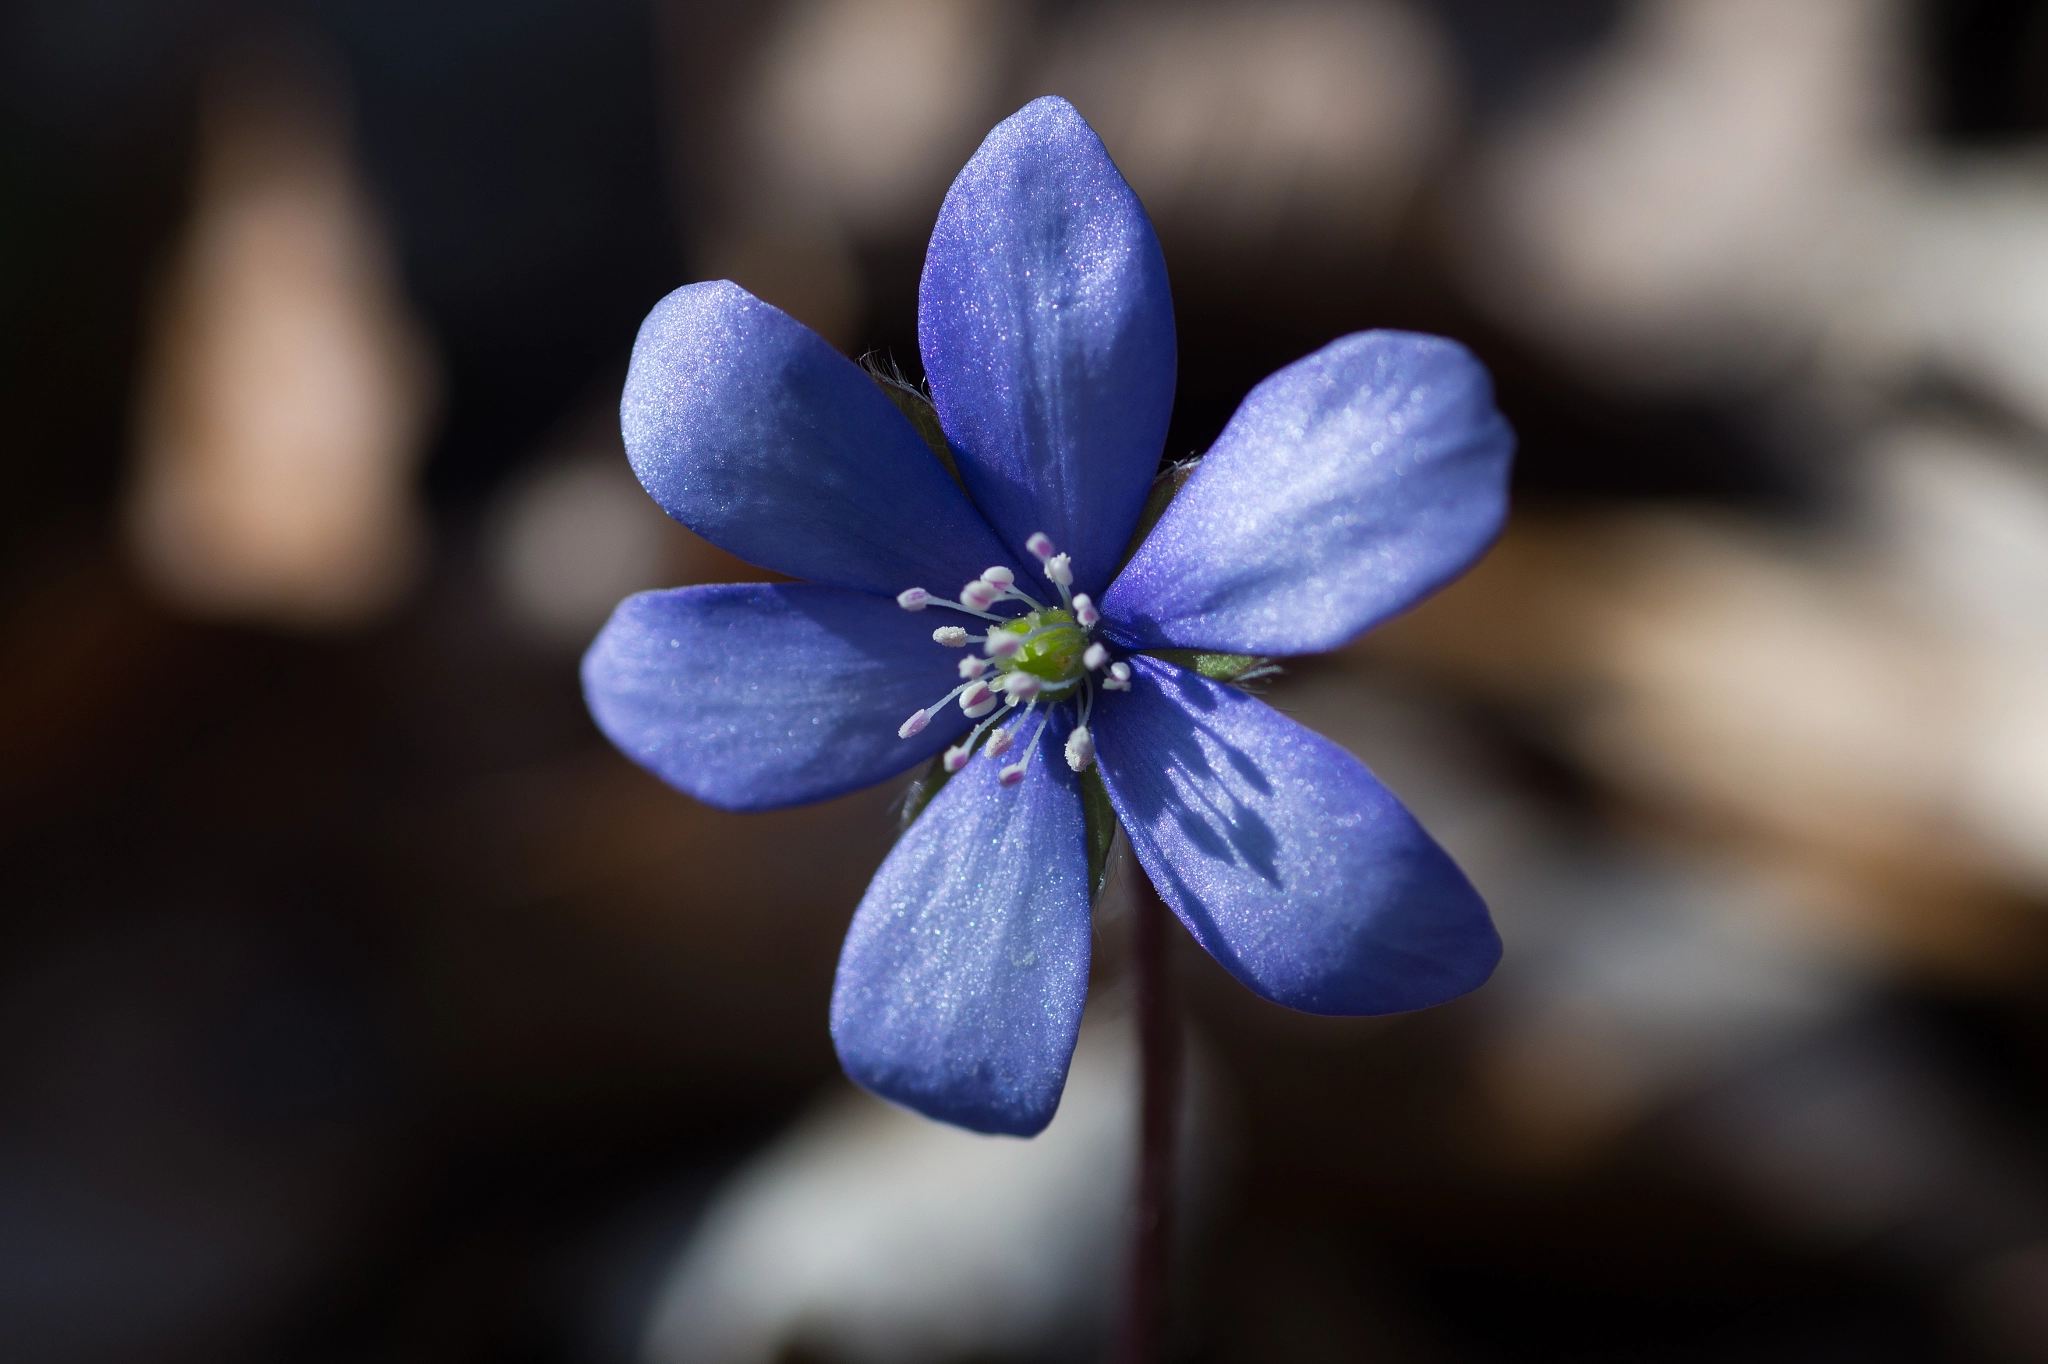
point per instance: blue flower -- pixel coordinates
(1347, 487)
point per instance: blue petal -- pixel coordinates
(961, 983)
(1047, 334)
(1284, 857)
(753, 697)
(747, 427)
(1347, 487)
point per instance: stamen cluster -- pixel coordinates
(1046, 655)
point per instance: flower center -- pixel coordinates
(1052, 646)
(1042, 657)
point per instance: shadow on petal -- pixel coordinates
(1284, 857)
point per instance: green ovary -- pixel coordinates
(1054, 658)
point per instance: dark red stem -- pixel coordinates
(1150, 1285)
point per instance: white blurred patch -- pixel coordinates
(877, 1235)
(1963, 517)
(568, 540)
(870, 106)
(1692, 202)
(286, 387)
(856, 119)
(1733, 191)
(1960, 520)
(1236, 121)
(1961, 285)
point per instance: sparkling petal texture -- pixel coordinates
(1046, 328)
(1347, 487)
(961, 982)
(1283, 855)
(747, 427)
(753, 697)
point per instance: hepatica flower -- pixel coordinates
(969, 598)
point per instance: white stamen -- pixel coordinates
(977, 700)
(1019, 594)
(961, 608)
(989, 679)
(957, 755)
(1014, 773)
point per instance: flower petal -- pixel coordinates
(1047, 334)
(1348, 486)
(752, 697)
(961, 983)
(747, 427)
(1284, 857)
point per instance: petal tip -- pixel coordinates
(956, 1105)
(1050, 114)
(961, 983)
(1348, 487)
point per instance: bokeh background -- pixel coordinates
(357, 1002)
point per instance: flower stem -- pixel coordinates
(1150, 1284)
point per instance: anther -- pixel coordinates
(1013, 774)
(1094, 656)
(956, 757)
(979, 595)
(913, 598)
(1080, 748)
(972, 667)
(1000, 576)
(915, 724)
(952, 636)
(1060, 568)
(999, 743)
(1119, 678)
(1085, 612)
(1023, 686)
(977, 700)
(1040, 546)
(1003, 644)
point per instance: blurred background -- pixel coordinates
(361, 1003)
